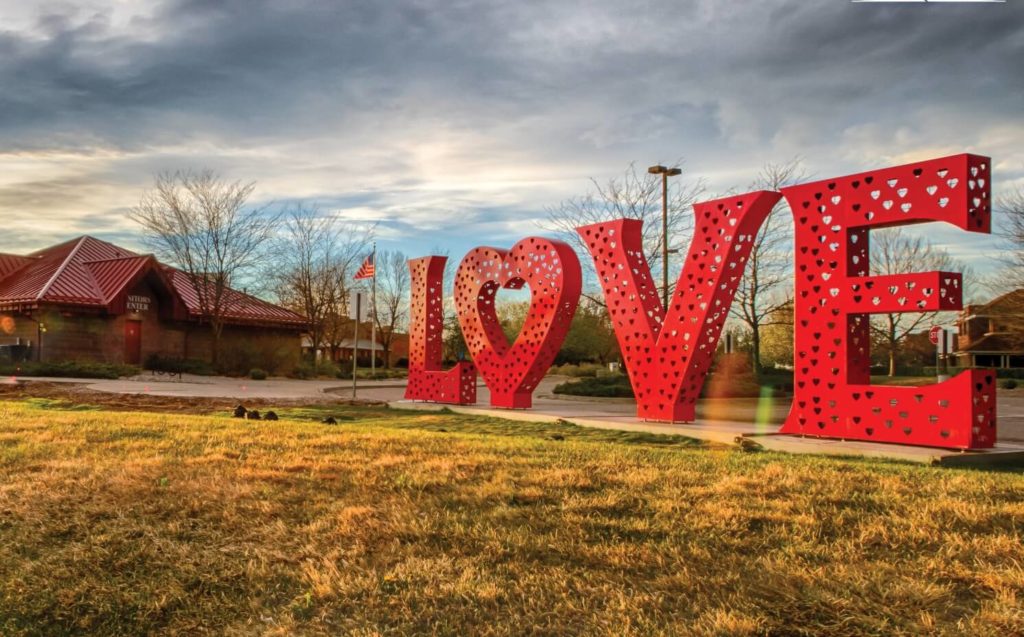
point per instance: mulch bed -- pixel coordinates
(78, 394)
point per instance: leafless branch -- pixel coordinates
(199, 223)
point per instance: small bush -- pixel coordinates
(327, 368)
(69, 369)
(584, 370)
(741, 386)
(616, 386)
(304, 371)
(345, 373)
(1009, 383)
(379, 374)
(257, 374)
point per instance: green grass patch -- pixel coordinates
(59, 404)
(402, 522)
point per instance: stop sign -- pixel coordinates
(933, 334)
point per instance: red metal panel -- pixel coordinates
(10, 263)
(835, 293)
(916, 292)
(552, 271)
(238, 307)
(112, 275)
(426, 327)
(30, 281)
(74, 282)
(668, 354)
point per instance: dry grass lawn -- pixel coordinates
(392, 523)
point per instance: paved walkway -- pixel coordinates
(720, 420)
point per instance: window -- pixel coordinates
(987, 360)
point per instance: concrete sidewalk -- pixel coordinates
(743, 434)
(750, 422)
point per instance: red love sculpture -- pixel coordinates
(552, 271)
(836, 294)
(668, 351)
(426, 326)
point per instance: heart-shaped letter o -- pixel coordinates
(552, 271)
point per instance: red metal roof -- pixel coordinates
(94, 273)
(112, 275)
(11, 262)
(238, 307)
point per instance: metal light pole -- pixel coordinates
(355, 342)
(665, 174)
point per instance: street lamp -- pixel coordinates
(665, 174)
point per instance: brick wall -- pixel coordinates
(244, 348)
(13, 327)
(78, 337)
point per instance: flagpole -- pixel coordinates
(355, 342)
(373, 315)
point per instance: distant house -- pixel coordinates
(992, 335)
(88, 299)
(343, 351)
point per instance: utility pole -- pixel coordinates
(665, 174)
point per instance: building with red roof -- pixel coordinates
(992, 334)
(88, 299)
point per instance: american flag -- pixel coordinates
(366, 271)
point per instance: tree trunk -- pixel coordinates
(314, 341)
(892, 346)
(217, 328)
(755, 347)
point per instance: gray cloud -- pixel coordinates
(484, 113)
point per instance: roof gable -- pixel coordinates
(73, 280)
(1010, 303)
(111, 276)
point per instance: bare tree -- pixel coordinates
(199, 223)
(309, 272)
(777, 336)
(895, 252)
(337, 324)
(1009, 225)
(633, 195)
(763, 288)
(392, 309)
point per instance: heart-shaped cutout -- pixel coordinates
(551, 270)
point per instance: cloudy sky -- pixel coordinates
(457, 123)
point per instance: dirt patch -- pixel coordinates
(79, 394)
